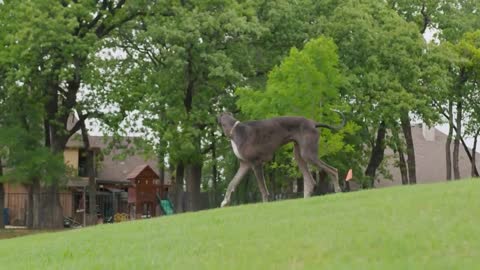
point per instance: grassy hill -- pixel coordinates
(417, 227)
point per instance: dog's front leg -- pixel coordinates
(308, 181)
(234, 183)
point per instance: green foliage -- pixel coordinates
(177, 67)
(21, 150)
(305, 84)
(303, 81)
(468, 50)
(380, 54)
(47, 60)
(456, 17)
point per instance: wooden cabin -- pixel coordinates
(142, 194)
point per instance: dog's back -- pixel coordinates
(258, 140)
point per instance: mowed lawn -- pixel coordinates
(416, 227)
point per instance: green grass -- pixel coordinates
(417, 227)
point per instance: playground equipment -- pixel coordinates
(166, 206)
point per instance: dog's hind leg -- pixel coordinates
(242, 170)
(309, 152)
(258, 170)
(308, 182)
(327, 168)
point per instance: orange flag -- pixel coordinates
(349, 175)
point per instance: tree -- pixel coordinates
(380, 55)
(469, 49)
(452, 76)
(305, 84)
(450, 19)
(22, 150)
(49, 49)
(2, 197)
(422, 12)
(437, 77)
(92, 185)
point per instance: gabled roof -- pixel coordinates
(139, 169)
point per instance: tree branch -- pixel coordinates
(103, 30)
(78, 124)
(426, 18)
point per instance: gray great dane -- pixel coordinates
(255, 142)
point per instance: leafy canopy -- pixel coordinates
(305, 84)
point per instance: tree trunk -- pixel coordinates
(214, 171)
(272, 184)
(407, 132)
(92, 184)
(34, 204)
(401, 158)
(403, 168)
(2, 198)
(323, 185)
(448, 154)
(50, 211)
(194, 178)
(179, 174)
(474, 155)
(378, 152)
(245, 198)
(456, 142)
(30, 206)
(464, 144)
(300, 185)
(161, 178)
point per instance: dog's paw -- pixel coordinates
(223, 204)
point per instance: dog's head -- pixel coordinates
(225, 120)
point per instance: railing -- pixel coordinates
(108, 205)
(113, 207)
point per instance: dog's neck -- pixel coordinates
(233, 128)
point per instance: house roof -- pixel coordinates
(96, 142)
(106, 182)
(139, 169)
(113, 168)
(430, 159)
(77, 182)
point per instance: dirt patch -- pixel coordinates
(11, 233)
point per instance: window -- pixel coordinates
(82, 163)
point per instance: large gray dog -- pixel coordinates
(255, 142)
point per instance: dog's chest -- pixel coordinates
(235, 150)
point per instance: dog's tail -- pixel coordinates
(332, 127)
